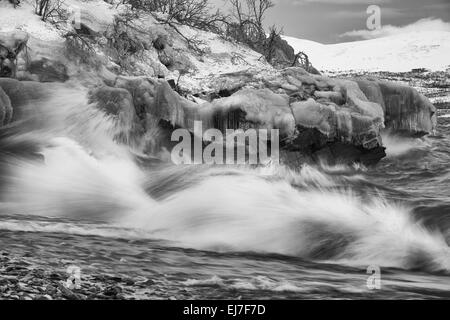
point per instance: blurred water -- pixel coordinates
(76, 197)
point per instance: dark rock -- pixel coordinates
(160, 42)
(85, 30)
(22, 95)
(43, 297)
(69, 294)
(11, 45)
(145, 283)
(129, 282)
(112, 291)
(283, 53)
(50, 289)
(56, 276)
(49, 70)
(8, 279)
(166, 58)
(13, 268)
(172, 84)
(225, 93)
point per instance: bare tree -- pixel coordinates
(257, 9)
(248, 25)
(250, 10)
(193, 13)
(51, 10)
(270, 44)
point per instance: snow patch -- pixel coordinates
(23, 18)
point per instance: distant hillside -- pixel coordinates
(398, 53)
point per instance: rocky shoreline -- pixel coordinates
(22, 279)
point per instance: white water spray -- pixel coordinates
(269, 210)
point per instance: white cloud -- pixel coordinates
(362, 14)
(427, 24)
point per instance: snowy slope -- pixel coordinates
(397, 53)
(220, 56)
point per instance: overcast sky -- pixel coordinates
(332, 21)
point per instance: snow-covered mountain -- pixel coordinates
(398, 53)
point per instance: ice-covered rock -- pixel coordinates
(154, 99)
(320, 117)
(251, 108)
(309, 121)
(118, 103)
(405, 110)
